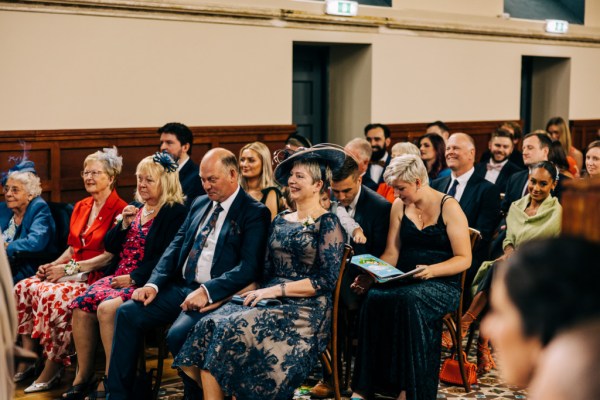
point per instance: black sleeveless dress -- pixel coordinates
(400, 323)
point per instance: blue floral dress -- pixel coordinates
(267, 352)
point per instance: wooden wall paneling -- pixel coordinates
(581, 214)
(584, 132)
(59, 154)
(480, 131)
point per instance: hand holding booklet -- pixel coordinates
(379, 269)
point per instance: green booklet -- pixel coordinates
(379, 269)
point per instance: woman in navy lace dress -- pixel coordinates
(256, 352)
(401, 322)
(138, 240)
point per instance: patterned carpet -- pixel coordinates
(489, 386)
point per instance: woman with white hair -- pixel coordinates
(400, 323)
(42, 300)
(25, 218)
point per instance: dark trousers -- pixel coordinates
(132, 320)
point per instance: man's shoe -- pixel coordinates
(322, 390)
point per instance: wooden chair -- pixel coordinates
(453, 320)
(331, 357)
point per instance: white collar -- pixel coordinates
(226, 205)
(462, 180)
(355, 201)
(182, 163)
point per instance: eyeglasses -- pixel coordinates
(13, 189)
(93, 174)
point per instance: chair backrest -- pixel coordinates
(61, 213)
(475, 237)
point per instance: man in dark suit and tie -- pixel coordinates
(478, 198)
(378, 136)
(218, 251)
(498, 169)
(177, 139)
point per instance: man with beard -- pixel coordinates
(378, 136)
(176, 139)
(498, 168)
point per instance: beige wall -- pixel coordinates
(69, 71)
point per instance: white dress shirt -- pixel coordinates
(351, 209)
(492, 174)
(376, 170)
(462, 182)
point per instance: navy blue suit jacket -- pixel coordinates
(239, 254)
(505, 173)
(373, 215)
(480, 202)
(36, 231)
(189, 177)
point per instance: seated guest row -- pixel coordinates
(218, 252)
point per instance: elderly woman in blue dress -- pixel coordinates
(25, 218)
(265, 352)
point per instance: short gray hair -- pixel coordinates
(406, 148)
(407, 168)
(31, 182)
(317, 172)
(361, 148)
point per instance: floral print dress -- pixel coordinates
(267, 352)
(132, 254)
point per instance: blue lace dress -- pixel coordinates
(267, 352)
(400, 323)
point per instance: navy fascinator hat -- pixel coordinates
(22, 165)
(326, 154)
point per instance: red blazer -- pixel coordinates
(92, 243)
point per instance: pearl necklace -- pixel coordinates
(147, 213)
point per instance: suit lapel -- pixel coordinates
(230, 219)
(468, 195)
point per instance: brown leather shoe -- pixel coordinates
(321, 390)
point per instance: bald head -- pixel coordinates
(460, 153)
(361, 150)
(219, 174)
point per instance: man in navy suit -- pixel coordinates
(378, 136)
(478, 198)
(218, 251)
(498, 169)
(177, 139)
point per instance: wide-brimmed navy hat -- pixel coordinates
(326, 154)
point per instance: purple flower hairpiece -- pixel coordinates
(166, 161)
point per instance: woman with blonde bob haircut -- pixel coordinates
(256, 176)
(135, 244)
(429, 238)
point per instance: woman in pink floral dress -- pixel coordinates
(42, 300)
(145, 230)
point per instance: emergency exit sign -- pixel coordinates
(341, 7)
(557, 26)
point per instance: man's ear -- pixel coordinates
(185, 148)
(359, 179)
(388, 141)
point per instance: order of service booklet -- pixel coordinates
(379, 269)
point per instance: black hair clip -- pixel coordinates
(166, 161)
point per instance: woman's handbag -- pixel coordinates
(450, 371)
